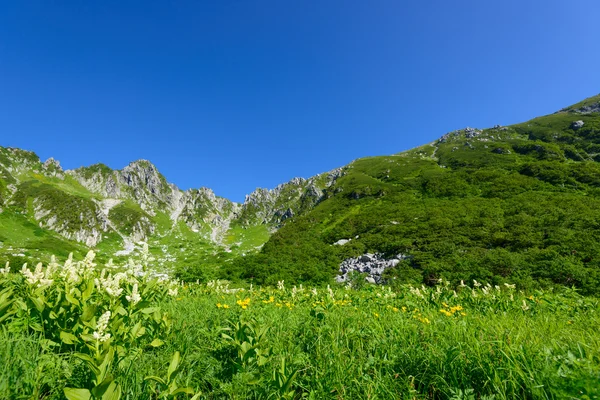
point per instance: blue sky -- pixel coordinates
(239, 94)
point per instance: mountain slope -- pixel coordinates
(112, 210)
(518, 203)
(506, 204)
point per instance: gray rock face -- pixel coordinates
(577, 125)
(468, 133)
(592, 108)
(274, 206)
(372, 264)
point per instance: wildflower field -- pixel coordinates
(78, 330)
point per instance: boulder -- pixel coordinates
(341, 242)
(374, 265)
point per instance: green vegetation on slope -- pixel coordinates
(520, 203)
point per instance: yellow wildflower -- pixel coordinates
(244, 303)
(446, 313)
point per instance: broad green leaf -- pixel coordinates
(99, 390)
(68, 338)
(89, 310)
(38, 303)
(71, 299)
(87, 293)
(113, 392)
(174, 365)
(157, 343)
(77, 394)
(89, 361)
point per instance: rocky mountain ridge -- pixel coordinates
(86, 203)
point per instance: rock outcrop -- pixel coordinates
(577, 125)
(371, 264)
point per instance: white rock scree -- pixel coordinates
(372, 264)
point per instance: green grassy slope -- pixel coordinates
(520, 203)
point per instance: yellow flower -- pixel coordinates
(394, 309)
(376, 315)
(446, 313)
(219, 305)
(244, 303)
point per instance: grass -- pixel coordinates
(18, 235)
(244, 240)
(372, 343)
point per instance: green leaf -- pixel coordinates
(77, 394)
(157, 343)
(89, 361)
(89, 311)
(38, 303)
(100, 389)
(156, 379)
(113, 392)
(185, 390)
(174, 365)
(71, 299)
(87, 293)
(68, 338)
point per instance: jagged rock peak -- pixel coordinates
(294, 181)
(52, 164)
(141, 163)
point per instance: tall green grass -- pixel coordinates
(373, 343)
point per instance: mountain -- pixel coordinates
(46, 209)
(518, 203)
(506, 204)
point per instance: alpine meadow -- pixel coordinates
(467, 268)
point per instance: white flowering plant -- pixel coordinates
(105, 315)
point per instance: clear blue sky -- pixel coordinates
(239, 94)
